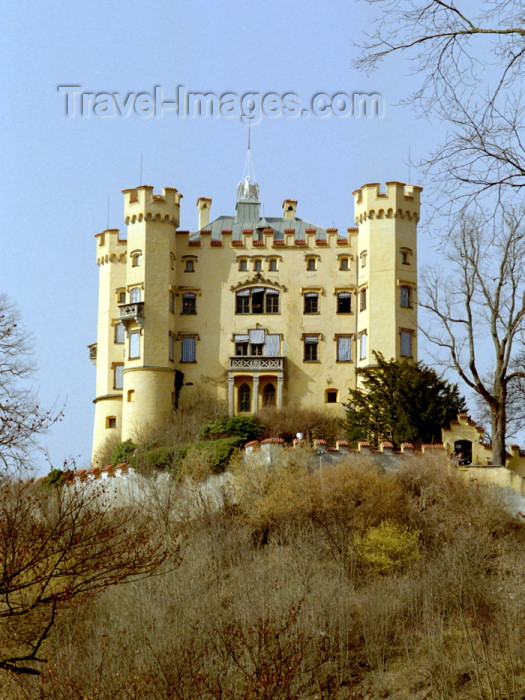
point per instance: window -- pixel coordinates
(406, 297)
(189, 266)
(171, 347)
(269, 395)
(272, 265)
(362, 346)
(136, 259)
(111, 422)
(311, 264)
(406, 343)
(189, 303)
(343, 264)
(363, 258)
(362, 300)
(131, 395)
(135, 295)
(405, 256)
(120, 333)
(272, 302)
(172, 302)
(121, 297)
(118, 375)
(331, 396)
(244, 396)
(344, 303)
(256, 349)
(188, 349)
(311, 303)
(257, 265)
(241, 348)
(257, 300)
(344, 348)
(243, 265)
(311, 344)
(134, 345)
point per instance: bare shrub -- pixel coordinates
(185, 423)
(301, 616)
(286, 422)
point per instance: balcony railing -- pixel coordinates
(256, 363)
(132, 312)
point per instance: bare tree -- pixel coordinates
(471, 62)
(22, 419)
(58, 546)
(478, 313)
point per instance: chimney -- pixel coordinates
(289, 208)
(203, 208)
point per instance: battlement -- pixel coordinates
(110, 247)
(399, 201)
(310, 239)
(141, 204)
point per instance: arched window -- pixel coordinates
(269, 395)
(344, 303)
(244, 399)
(406, 297)
(362, 299)
(189, 303)
(257, 300)
(134, 295)
(311, 303)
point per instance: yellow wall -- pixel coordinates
(387, 224)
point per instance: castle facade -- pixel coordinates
(257, 311)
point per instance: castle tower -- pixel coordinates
(386, 271)
(108, 353)
(134, 351)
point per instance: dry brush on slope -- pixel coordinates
(341, 583)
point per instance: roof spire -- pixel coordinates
(248, 187)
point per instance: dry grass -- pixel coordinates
(272, 601)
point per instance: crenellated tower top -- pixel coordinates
(110, 247)
(140, 203)
(400, 200)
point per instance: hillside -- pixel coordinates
(340, 583)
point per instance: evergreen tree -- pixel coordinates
(400, 402)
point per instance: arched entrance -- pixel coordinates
(269, 394)
(463, 450)
(244, 399)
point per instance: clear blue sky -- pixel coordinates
(58, 171)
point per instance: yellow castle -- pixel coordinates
(258, 311)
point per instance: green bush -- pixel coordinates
(245, 427)
(389, 546)
(123, 452)
(213, 453)
(56, 477)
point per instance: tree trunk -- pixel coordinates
(499, 423)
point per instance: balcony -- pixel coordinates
(132, 312)
(256, 363)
